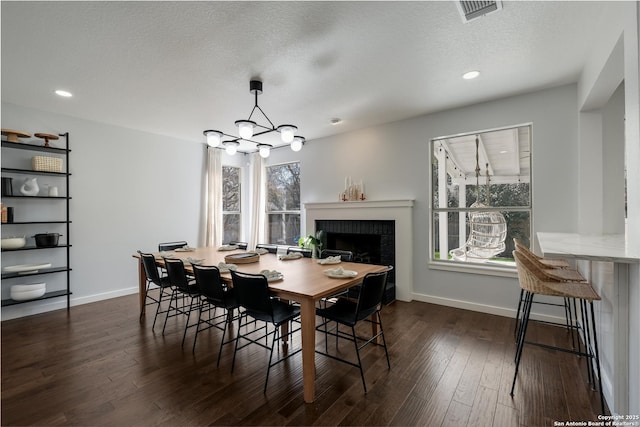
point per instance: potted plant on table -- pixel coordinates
(315, 243)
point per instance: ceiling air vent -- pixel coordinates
(470, 10)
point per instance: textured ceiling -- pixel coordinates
(177, 68)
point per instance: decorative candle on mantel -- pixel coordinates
(352, 190)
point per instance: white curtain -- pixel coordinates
(257, 203)
(215, 229)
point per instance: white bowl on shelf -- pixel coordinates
(13, 242)
(28, 292)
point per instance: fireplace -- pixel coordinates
(365, 247)
(371, 241)
(379, 232)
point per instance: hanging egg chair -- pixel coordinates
(487, 229)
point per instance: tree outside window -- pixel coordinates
(283, 203)
(231, 212)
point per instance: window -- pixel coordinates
(480, 196)
(231, 212)
(283, 203)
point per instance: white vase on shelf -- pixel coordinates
(30, 187)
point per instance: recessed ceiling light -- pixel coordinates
(503, 152)
(64, 93)
(335, 121)
(471, 75)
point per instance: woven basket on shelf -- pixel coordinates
(46, 164)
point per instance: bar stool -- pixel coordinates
(553, 269)
(533, 282)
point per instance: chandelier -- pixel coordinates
(248, 129)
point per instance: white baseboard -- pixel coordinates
(29, 309)
(104, 296)
(484, 308)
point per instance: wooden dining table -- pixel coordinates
(304, 281)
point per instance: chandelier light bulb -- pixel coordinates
(265, 150)
(245, 128)
(296, 144)
(231, 147)
(213, 138)
(287, 132)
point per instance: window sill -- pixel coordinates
(490, 269)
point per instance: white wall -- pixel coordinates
(393, 162)
(130, 190)
(613, 163)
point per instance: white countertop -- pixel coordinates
(612, 247)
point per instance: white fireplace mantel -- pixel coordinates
(399, 211)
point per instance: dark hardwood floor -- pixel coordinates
(97, 365)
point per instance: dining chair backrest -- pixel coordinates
(272, 249)
(169, 246)
(150, 267)
(304, 251)
(240, 245)
(346, 256)
(209, 283)
(371, 293)
(176, 273)
(252, 293)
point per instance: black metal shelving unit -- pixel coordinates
(64, 269)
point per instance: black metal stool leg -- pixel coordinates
(523, 333)
(587, 344)
(597, 358)
(516, 326)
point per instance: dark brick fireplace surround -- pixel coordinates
(371, 241)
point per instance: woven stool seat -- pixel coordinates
(531, 282)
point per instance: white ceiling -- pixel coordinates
(178, 68)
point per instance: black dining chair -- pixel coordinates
(349, 313)
(272, 249)
(306, 252)
(154, 281)
(346, 256)
(252, 294)
(240, 245)
(169, 246)
(182, 288)
(214, 294)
